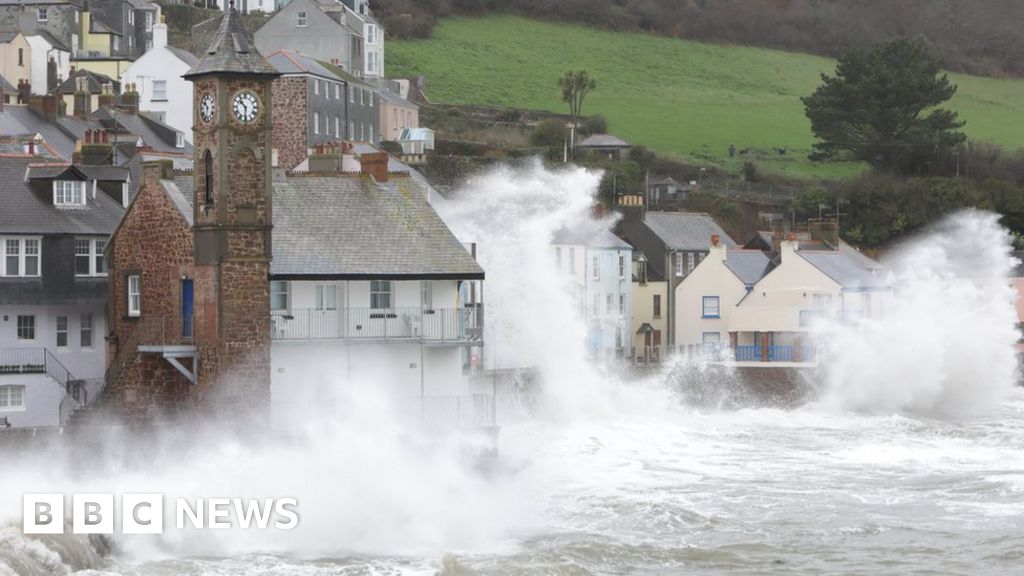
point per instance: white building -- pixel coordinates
(598, 267)
(733, 301)
(157, 75)
(54, 223)
(44, 47)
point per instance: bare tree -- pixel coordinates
(575, 85)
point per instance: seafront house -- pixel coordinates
(649, 320)
(54, 222)
(707, 298)
(157, 76)
(219, 304)
(597, 268)
(15, 57)
(51, 61)
(674, 243)
(324, 30)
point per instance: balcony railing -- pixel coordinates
(22, 361)
(408, 323)
(776, 354)
(164, 330)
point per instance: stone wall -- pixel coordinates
(291, 121)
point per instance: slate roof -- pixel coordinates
(845, 270)
(183, 55)
(51, 39)
(154, 133)
(8, 35)
(397, 100)
(66, 171)
(232, 51)
(351, 227)
(686, 230)
(7, 86)
(24, 210)
(603, 141)
(18, 119)
(95, 80)
(748, 265)
(288, 62)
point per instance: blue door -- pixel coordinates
(186, 308)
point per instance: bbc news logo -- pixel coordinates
(144, 513)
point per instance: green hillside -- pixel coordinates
(682, 98)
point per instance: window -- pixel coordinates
(596, 306)
(62, 331)
(316, 122)
(337, 126)
(380, 294)
(622, 267)
(26, 327)
(179, 140)
(710, 308)
(572, 260)
(160, 90)
(42, 15)
(68, 193)
(608, 299)
(596, 268)
(865, 304)
(337, 91)
(371, 65)
(369, 98)
(690, 262)
(278, 295)
(656, 305)
(679, 264)
(822, 301)
(134, 296)
(131, 17)
(300, 18)
(371, 34)
(558, 257)
(208, 178)
(362, 131)
(711, 337)
(89, 259)
(21, 257)
(85, 331)
(427, 295)
(326, 297)
(622, 304)
(12, 397)
(149, 21)
(351, 130)
(316, 87)
(352, 94)
(371, 132)
(117, 43)
(21, 56)
(362, 96)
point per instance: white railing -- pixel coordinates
(405, 323)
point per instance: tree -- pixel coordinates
(881, 107)
(575, 85)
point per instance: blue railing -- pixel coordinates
(775, 354)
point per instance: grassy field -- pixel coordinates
(680, 98)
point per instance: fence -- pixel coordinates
(405, 323)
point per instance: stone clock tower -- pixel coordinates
(232, 220)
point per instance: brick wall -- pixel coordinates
(291, 120)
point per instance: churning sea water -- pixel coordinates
(905, 455)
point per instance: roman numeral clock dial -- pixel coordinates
(207, 108)
(245, 107)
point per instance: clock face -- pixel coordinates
(245, 107)
(206, 108)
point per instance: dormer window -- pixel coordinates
(179, 140)
(68, 193)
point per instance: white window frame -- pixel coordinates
(22, 245)
(691, 262)
(572, 260)
(558, 258)
(64, 193)
(316, 122)
(280, 288)
(149, 21)
(622, 266)
(131, 17)
(337, 91)
(179, 139)
(7, 394)
(427, 295)
(595, 273)
(85, 331)
(371, 132)
(134, 296)
(94, 252)
(316, 87)
(159, 90)
(62, 332)
(352, 94)
(29, 325)
(371, 34)
(337, 126)
(43, 15)
(326, 297)
(301, 19)
(711, 337)
(609, 301)
(622, 304)
(380, 289)
(679, 264)
(351, 130)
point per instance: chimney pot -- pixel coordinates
(791, 237)
(715, 239)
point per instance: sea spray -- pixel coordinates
(945, 344)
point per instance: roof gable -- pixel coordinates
(689, 231)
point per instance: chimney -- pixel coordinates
(632, 207)
(46, 106)
(826, 231)
(24, 91)
(106, 97)
(375, 165)
(718, 250)
(130, 99)
(51, 75)
(160, 34)
(325, 158)
(789, 246)
(96, 150)
(83, 100)
(31, 147)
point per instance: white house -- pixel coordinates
(598, 267)
(157, 74)
(43, 48)
(776, 320)
(708, 296)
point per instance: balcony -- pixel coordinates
(797, 354)
(409, 324)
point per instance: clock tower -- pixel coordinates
(232, 219)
